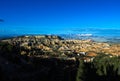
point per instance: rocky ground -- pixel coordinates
(48, 45)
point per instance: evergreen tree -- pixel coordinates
(80, 71)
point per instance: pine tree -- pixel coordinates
(80, 71)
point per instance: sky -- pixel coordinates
(57, 16)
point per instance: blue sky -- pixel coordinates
(57, 16)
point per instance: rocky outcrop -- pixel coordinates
(51, 43)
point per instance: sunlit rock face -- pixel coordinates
(55, 44)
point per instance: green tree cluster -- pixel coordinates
(103, 68)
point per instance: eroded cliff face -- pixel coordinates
(55, 45)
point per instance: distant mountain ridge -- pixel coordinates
(96, 34)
